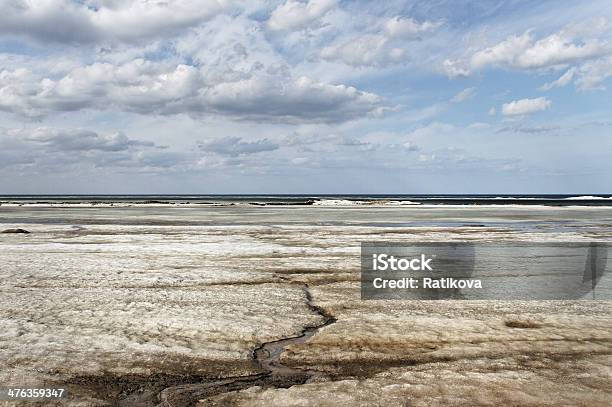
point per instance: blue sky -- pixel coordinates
(320, 96)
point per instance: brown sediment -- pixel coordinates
(371, 365)
(128, 390)
(182, 390)
(267, 357)
(268, 354)
(306, 270)
(16, 231)
(522, 323)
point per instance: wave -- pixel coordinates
(346, 202)
(512, 198)
(586, 198)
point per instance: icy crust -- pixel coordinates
(371, 334)
(209, 331)
(512, 381)
(441, 353)
(112, 300)
(520, 217)
(190, 257)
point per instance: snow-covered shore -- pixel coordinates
(105, 295)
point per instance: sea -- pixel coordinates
(329, 199)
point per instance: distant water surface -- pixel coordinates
(326, 200)
(593, 220)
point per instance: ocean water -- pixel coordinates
(326, 200)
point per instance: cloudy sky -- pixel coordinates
(319, 96)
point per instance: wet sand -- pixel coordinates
(175, 306)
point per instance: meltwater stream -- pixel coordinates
(267, 356)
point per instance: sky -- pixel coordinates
(305, 97)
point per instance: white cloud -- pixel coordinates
(592, 74)
(575, 44)
(385, 43)
(410, 146)
(522, 52)
(295, 15)
(525, 106)
(506, 52)
(365, 50)
(235, 146)
(66, 149)
(226, 67)
(479, 126)
(557, 49)
(82, 140)
(136, 86)
(92, 21)
(408, 28)
(529, 130)
(160, 88)
(465, 94)
(455, 68)
(563, 80)
(430, 130)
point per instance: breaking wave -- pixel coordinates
(346, 202)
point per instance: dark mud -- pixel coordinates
(268, 354)
(185, 390)
(16, 230)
